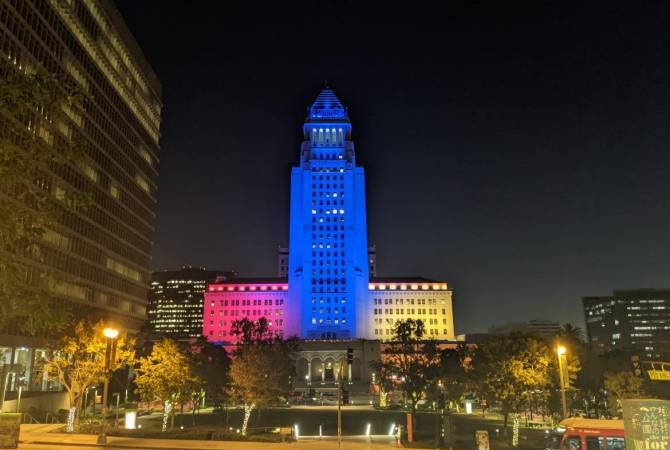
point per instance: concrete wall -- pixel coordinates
(42, 401)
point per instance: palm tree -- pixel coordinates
(571, 333)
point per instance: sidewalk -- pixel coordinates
(42, 435)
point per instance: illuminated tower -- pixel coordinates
(328, 264)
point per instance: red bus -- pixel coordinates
(592, 434)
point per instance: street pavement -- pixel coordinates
(41, 437)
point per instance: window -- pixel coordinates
(615, 443)
(594, 443)
(573, 443)
(142, 183)
(114, 190)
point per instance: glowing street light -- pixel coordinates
(562, 352)
(110, 333)
(110, 357)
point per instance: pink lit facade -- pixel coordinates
(230, 301)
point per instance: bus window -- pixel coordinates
(595, 443)
(573, 443)
(616, 443)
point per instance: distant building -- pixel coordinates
(176, 301)
(630, 320)
(545, 329)
(282, 261)
(372, 260)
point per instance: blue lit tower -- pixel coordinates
(328, 270)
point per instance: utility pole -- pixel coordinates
(561, 351)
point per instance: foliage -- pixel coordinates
(262, 368)
(620, 386)
(409, 363)
(211, 365)
(591, 394)
(33, 143)
(79, 362)
(571, 335)
(451, 379)
(167, 374)
(513, 370)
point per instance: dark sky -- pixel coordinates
(518, 150)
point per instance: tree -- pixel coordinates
(409, 363)
(211, 364)
(262, 367)
(451, 377)
(512, 370)
(167, 375)
(571, 335)
(79, 362)
(620, 386)
(35, 141)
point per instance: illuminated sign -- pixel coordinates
(646, 424)
(659, 375)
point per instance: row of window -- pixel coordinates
(409, 311)
(328, 321)
(401, 301)
(249, 302)
(429, 331)
(431, 321)
(325, 137)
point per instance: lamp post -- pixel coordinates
(561, 351)
(110, 356)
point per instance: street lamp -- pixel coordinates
(561, 351)
(110, 357)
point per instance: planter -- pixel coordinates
(10, 425)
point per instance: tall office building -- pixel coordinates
(175, 301)
(101, 255)
(636, 321)
(328, 290)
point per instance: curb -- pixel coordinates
(93, 444)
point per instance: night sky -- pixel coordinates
(517, 150)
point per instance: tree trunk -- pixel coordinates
(77, 405)
(247, 413)
(516, 418)
(166, 414)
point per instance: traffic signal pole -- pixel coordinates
(339, 411)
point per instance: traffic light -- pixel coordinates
(345, 397)
(350, 356)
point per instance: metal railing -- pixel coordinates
(28, 418)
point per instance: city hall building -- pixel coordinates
(329, 297)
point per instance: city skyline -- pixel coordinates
(526, 163)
